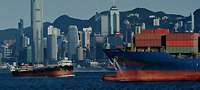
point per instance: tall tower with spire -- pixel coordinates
(37, 30)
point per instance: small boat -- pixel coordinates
(64, 68)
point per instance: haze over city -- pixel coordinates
(13, 10)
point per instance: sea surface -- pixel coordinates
(87, 81)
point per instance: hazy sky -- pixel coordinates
(12, 10)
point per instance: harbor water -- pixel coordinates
(87, 81)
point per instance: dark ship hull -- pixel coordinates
(55, 71)
(151, 66)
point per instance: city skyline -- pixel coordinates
(12, 12)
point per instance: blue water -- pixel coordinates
(87, 81)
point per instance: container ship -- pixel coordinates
(157, 55)
(64, 68)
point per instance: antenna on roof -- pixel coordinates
(113, 2)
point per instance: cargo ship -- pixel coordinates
(64, 68)
(156, 59)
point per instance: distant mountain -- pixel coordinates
(64, 21)
(8, 34)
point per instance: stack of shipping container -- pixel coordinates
(182, 43)
(150, 38)
(175, 43)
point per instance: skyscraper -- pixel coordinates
(80, 41)
(114, 20)
(37, 30)
(19, 40)
(52, 46)
(20, 34)
(104, 25)
(192, 22)
(72, 37)
(87, 32)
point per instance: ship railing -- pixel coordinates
(65, 63)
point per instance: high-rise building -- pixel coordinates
(80, 53)
(1, 56)
(137, 29)
(37, 30)
(143, 26)
(19, 40)
(28, 54)
(156, 22)
(64, 48)
(192, 22)
(52, 46)
(7, 52)
(104, 25)
(87, 33)
(20, 34)
(114, 22)
(80, 40)
(72, 37)
(26, 41)
(61, 50)
(115, 41)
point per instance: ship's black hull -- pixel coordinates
(56, 71)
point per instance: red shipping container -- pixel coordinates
(148, 43)
(182, 36)
(190, 43)
(160, 31)
(147, 36)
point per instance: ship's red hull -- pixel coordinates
(153, 75)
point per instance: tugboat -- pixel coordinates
(63, 68)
